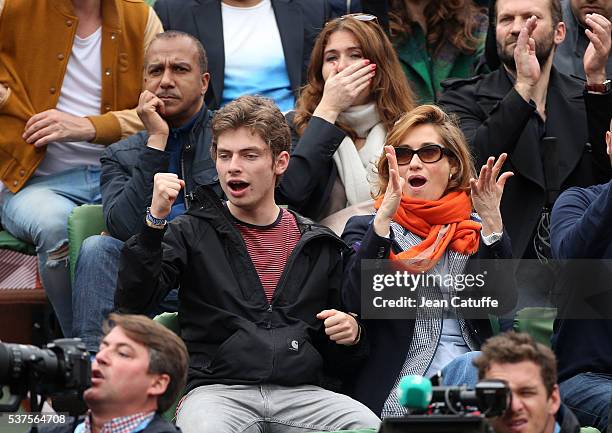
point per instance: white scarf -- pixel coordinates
(356, 168)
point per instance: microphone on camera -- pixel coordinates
(414, 392)
(490, 397)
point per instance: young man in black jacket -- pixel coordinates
(260, 289)
(177, 139)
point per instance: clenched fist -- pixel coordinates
(166, 188)
(340, 327)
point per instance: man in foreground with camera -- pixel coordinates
(137, 374)
(530, 368)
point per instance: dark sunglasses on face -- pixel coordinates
(428, 154)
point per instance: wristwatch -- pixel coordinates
(600, 88)
(491, 238)
(156, 223)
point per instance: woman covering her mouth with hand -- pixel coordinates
(355, 92)
(427, 192)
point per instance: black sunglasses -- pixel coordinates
(428, 154)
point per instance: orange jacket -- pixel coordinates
(36, 40)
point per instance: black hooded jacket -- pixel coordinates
(234, 336)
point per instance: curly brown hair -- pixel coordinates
(511, 348)
(447, 20)
(258, 114)
(390, 89)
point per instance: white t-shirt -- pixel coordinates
(80, 95)
(254, 58)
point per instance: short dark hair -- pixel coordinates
(172, 34)
(167, 352)
(513, 347)
(260, 115)
(556, 11)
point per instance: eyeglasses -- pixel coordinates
(428, 154)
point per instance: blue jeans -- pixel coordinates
(93, 293)
(38, 214)
(95, 281)
(589, 396)
(461, 371)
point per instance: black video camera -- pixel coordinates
(439, 409)
(62, 368)
(489, 397)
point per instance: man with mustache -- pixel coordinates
(519, 107)
(177, 141)
(569, 55)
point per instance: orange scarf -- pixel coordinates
(443, 223)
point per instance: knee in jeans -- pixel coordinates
(91, 246)
(99, 244)
(96, 248)
(58, 255)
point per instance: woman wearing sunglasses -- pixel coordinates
(355, 92)
(424, 218)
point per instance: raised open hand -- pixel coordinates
(596, 54)
(393, 195)
(527, 66)
(486, 193)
